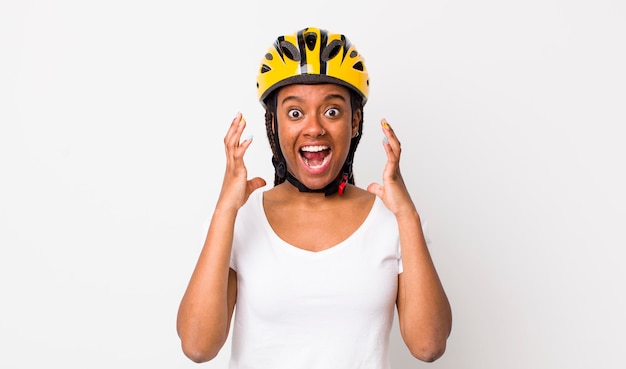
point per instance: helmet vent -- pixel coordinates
(331, 50)
(311, 56)
(310, 39)
(290, 50)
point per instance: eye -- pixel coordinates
(294, 113)
(332, 113)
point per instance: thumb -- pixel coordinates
(376, 189)
(256, 183)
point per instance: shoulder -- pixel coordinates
(358, 193)
(359, 198)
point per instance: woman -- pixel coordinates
(313, 264)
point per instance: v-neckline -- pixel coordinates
(339, 245)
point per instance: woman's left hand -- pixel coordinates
(393, 191)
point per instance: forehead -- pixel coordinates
(313, 92)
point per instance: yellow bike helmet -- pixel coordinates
(312, 56)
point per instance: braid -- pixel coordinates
(270, 104)
(356, 101)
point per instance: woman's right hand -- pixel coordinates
(236, 188)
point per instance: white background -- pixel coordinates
(511, 116)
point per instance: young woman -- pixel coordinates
(315, 265)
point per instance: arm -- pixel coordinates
(424, 312)
(207, 306)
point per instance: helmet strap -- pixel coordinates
(336, 186)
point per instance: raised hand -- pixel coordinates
(393, 191)
(424, 314)
(236, 188)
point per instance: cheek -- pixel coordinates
(286, 139)
(285, 135)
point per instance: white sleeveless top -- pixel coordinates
(299, 309)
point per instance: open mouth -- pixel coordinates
(316, 156)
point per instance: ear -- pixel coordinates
(356, 122)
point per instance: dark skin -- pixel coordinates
(289, 224)
(319, 116)
(313, 117)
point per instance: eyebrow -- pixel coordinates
(299, 99)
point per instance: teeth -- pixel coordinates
(315, 166)
(314, 148)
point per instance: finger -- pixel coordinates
(234, 124)
(376, 189)
(391, 138)
(234, 149)
(243, 146)
(233, 136)
(255, 183)
(390, 142)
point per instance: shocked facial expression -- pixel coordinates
(315, 126)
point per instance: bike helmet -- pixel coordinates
(312, 56)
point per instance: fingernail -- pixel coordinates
(242, 121)
(385, 140)
(384, 123)
(249, 138)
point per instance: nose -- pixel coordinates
(314, 127)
